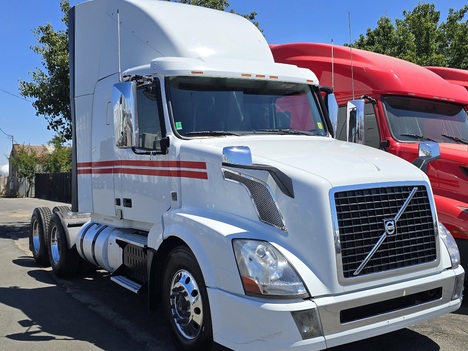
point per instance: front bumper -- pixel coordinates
(243, 323)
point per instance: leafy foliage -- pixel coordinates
(26, 162)
(421, 38)
(51, 87)
(60, 160)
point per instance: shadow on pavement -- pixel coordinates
(25, 261)
(14, 231)
(111, 305)
(404, 339)
(51, 317)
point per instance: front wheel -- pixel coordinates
(185, 302)
(64, 261)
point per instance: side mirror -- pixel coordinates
(428, 152)
(332, 105)
(355, 121)
(125, 114)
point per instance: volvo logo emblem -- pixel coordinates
(390, 227)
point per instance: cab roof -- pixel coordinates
(367, 72)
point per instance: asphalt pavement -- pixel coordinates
(40, 312)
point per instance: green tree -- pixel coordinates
(421, 38)
(453, 38)
(60, 160)
(381, 39)
(26, 163)
(50, 88)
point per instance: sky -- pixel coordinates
(281, 21)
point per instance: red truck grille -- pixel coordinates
(362, 216)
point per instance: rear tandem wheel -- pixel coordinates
(37, 235)
(65, 262)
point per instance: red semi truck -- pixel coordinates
(404, 104)
(453, 75)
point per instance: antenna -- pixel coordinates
(351, 54)
(118, 45)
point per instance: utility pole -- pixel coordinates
(9, 136)
(11, 179)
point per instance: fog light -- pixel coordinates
(308, 323)
(458, 288)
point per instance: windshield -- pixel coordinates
(413, 119)
(204, 106)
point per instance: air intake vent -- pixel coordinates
(263, 200)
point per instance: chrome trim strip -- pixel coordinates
(330, 307)
(384, 235)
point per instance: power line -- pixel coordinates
(15, 95)
(9, 136)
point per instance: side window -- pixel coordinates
(150, 115)
(341, 129)
(372, 136)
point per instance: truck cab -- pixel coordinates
(405, 104)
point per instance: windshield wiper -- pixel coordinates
(418, 136)
(210, 133)
(284, 131)
(454, 138)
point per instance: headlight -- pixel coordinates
(450, 244)
(265, 271)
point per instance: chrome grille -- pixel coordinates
(361, 214)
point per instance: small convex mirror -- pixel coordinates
(237, 155)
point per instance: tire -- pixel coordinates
(64, 261)
(37, 235)
(62, 209)
(185, 302)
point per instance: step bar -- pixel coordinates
(127, 283)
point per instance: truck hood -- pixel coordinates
(318, 167)
(454, 151)
(339, 163)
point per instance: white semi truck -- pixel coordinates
(207, 176)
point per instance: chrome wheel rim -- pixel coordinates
(54, 245)
(186, 304)
(36, 241)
